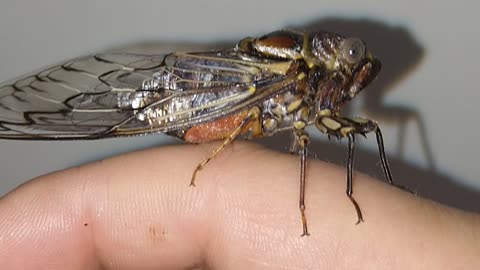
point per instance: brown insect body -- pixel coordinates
(284, 80)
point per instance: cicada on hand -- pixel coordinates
(282, 81)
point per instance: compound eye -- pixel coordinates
(353, 50)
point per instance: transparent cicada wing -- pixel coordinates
(110, 95)
(76, 99)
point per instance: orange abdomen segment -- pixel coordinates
(220, 128)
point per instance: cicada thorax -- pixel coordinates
(283, 44)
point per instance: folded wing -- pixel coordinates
(110, 95)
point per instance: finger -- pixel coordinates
(138, 212)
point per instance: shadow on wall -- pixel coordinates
(400, 53)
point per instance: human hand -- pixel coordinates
(137, 211)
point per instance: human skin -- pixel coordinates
(137, 211)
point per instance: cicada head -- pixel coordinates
(347, 65)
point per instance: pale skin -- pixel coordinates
(137, 211)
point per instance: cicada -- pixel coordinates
(282, 81)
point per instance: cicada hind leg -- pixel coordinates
(341, 127)
(251, 116)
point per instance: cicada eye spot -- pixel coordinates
(353, 50)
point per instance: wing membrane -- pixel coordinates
(105, 95)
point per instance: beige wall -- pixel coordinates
(431, 52)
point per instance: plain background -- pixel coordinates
(425, 98)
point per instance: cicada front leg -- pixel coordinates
(252, 115)
(341, 127)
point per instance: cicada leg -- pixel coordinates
(252, 115)
(302, 140)
(346, 127)
(351, 152)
